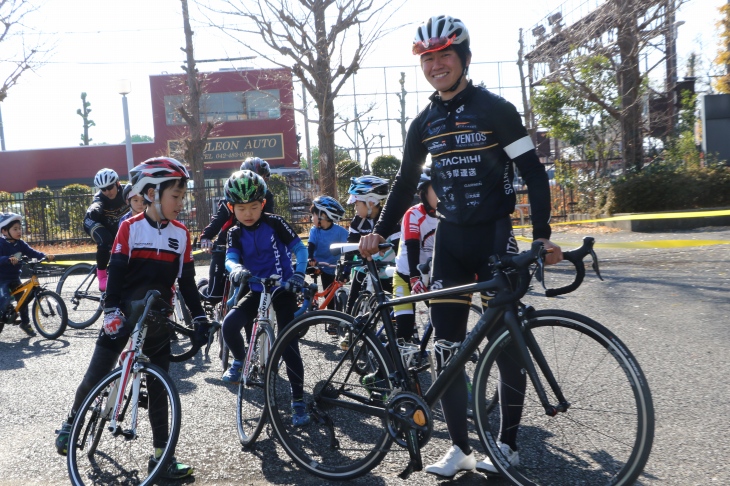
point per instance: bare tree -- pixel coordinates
(12, 16)
(193, 145)
(310, 37)
(364, 141)
(619, 30)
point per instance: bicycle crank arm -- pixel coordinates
(415, 463)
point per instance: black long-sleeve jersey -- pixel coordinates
(106, 212)
(473, 140)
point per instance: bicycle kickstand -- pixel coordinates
(415, 463)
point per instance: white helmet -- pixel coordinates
(6, 219)
(105, 178)
(438, 33)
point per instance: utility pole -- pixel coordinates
(306, 134)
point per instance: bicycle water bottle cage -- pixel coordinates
(444, 350)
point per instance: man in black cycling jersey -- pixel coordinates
(212, 291)
(473, 137)
(102, 218)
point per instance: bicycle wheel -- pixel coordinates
(182, 343)
(251, 403)
(49, 314)
(604, 437)
(100, 456)
(347, 436)
(79, 288)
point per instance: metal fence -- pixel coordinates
(59, 218)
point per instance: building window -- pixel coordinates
(226, 107)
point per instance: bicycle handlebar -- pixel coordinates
(576, 258)
(536, 253)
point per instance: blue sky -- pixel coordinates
(98, 43)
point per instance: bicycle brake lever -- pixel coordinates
(594, 265)
(539, 272)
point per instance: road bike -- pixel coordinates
(109, 444)
(78, 286)
(588, 415)
(335, 291)
(251, 414)
(48, 312)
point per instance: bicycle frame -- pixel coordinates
(263, 318)
(82, 291)
(129, 359)
(26, 290)
(505, 305)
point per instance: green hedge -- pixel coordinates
(670, 190)
(40, 212)
(77, 198)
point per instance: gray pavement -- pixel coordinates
(669, 303)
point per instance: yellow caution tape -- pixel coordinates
(639, 217)
(639, 244)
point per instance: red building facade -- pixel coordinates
(253, 115)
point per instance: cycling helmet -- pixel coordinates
(438, 33)
(423, 184)
(105, 178)
(244, 186)
(155, 171)
(6, 219)
(128, 192)
(329, 206)
(367, 189)
(257, 165)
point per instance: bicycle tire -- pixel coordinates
(183, 346)
(251, 412)
(340, 443)
(50, 317)
(99, 456)
(77, 290)
(605, 436)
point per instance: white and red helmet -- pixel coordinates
(155, 171)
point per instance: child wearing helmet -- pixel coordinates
(261, 244)
(212, 288)
(417, 230)
(134, 200)
(11, 248)
(474, 138)
(102, 218)
(366, 193)
(151, 252)
(326, 213)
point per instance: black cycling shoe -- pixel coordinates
(27, 328)
(174, 469)
(62, 439)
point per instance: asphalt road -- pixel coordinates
(669, 304)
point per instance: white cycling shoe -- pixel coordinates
(513, 457)
(453, 462)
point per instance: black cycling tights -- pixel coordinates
(104, 359)
(104, 241)
(461, 255)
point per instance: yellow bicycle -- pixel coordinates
(50, 317)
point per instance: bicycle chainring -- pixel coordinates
(407, 410)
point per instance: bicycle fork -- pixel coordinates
(527, 345)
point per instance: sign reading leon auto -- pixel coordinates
(237, 149)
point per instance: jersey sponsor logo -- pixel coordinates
(458, 160)
(473, 184)
(472, 195)
(436, 145)
(435, 130)
(452, 174)
(506, 180)
(118, 248)
(460, 109)
(173, 243)
(436, 285)
(465, 125)
(512, 243)
(277, 256)
(470, 138)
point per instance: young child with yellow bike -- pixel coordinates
(11, 249)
